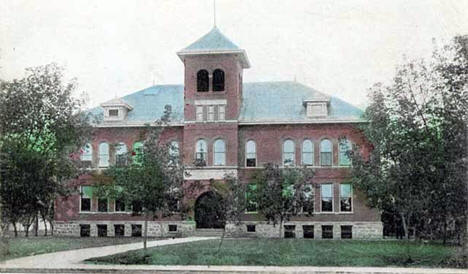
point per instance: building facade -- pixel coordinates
(220, 126)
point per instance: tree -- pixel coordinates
(153, 179)
(417, 128)
(282, 193)
(40, 126)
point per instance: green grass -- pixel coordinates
(21, 246)
(289, 252)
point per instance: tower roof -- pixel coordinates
(214, 42)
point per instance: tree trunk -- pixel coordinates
(15, 229)
(444, 236)
(51, 227)
(281, 229)
(222, 239)
(145, 237)
(45, 225)
(36, 225)
(403, 222)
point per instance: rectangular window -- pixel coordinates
(346, 232)
(250, 228)
(199, 113)
(308, 231)
(251, 161)
(113, 112)
(327, 232)
(102, 205)
(136, 230)
(250, 198)
(85, 230)
(327, 197)
(346, 198)
(119, 205)
(221, 112)
(210, 113)
(86, 194)
(137, 207)
(172, 228)
(308, 207)
(119, 230)
(289, 231)
(102, 230)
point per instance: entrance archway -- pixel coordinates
(209, 211)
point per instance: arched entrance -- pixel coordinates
(209, 211)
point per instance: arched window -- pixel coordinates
(345, 146)
(218, 80)
(288, 153)
(219, 149)
(137, 154)
(121, 154)
(201, 150)
(202, 80)
(87, 153)
(103, 155)
(307, 152)
(326, 149)
(250, 154)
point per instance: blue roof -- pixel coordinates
(213, 40)
(262, 102)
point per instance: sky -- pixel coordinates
(114, 48)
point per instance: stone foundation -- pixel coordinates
(155, 229)
(360, 230)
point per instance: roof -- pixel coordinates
(214, 42)
(263, 102)
(117, 102)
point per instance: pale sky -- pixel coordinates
(115, 48)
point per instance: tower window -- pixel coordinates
(202, 80)
(218, 80)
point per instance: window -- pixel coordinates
(346, 232)
(102, 205)
(85, 230)
(308, 206)
(218, 80)
(119, 205)
(137, 207)
(327, 197)
(103, 155)
(250, 198)
(221, 112)
(326, 153)
(113, 113)
(137, 154)
(250, 154)
(174, 152)
(136, 230)
(121, 154)
(202, 80)
(211, 113)
(308, 231)
(119, 230)
(201, 152)
(87, 153)
(346, 198)
(289, 231)
(308, 153)
(102, 230)
(250, 228)
(345, 147)
(219, 153)
(327, 232)
(288, 153)
(86, 194)
(172, 228)
(199, 113)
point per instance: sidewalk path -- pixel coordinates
(71, 261)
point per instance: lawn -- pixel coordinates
(21, 246)
(289, 252)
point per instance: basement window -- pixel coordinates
(102, 230)
(346, 232)
(119, 230)
(289, 231)
(327, 232)
(85, 230)
(308, 231)
(250, 228)
(172, 228)
(136, 230)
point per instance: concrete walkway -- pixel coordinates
(71, 261)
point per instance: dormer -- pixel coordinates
(115, 110)
(317, 107)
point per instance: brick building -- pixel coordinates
(231, 127)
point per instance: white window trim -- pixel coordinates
(339, 154)
(320, 151)
(352, 199)
(333, 199)
(313, 153)
(294, 153)
(256, 161)
(205, 152)
(90, 202)
(99, 154)
(214, 153)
